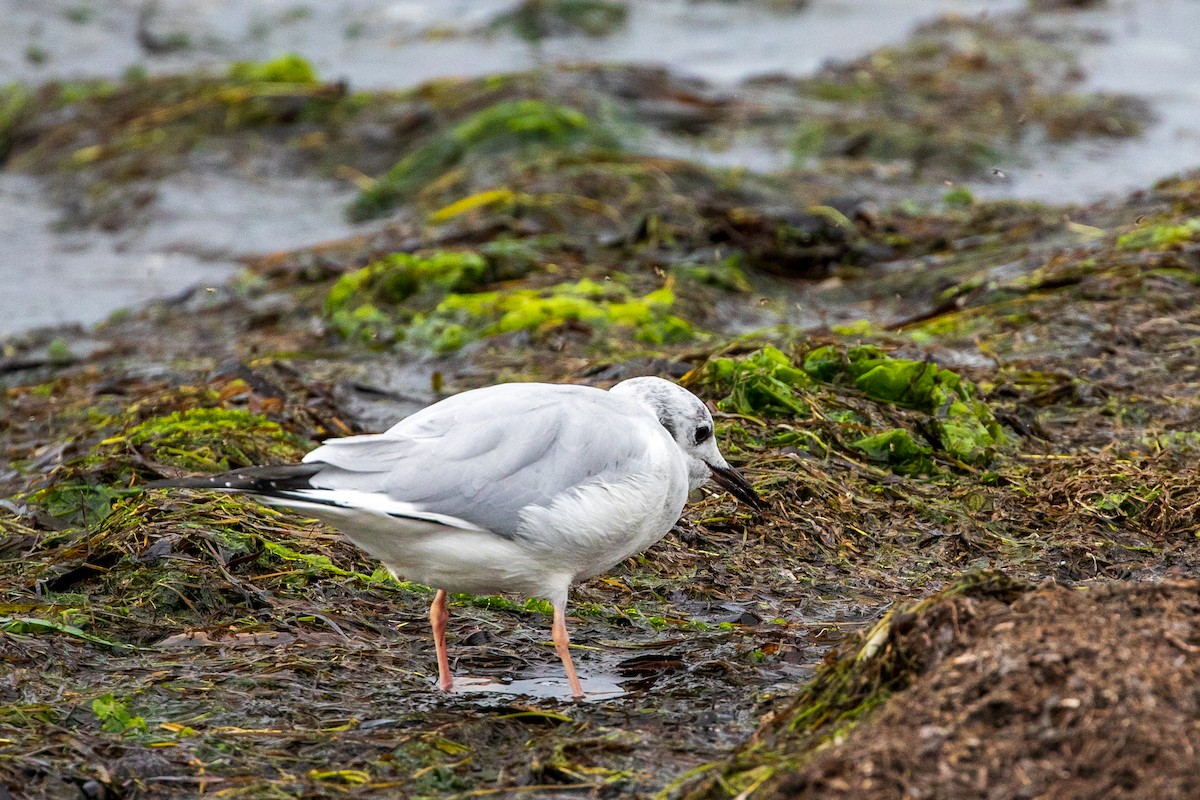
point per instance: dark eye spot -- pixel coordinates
(703, 434)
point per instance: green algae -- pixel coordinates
(434, 301)
(768, 383)
(510, 258)
(82, 502)
(35, 626)
(762, 383)
(1178, 441)
(607, 307)
(157, 556)
(59, 352)
(396, 277)
(1161, 237)
(353, 303)
(959, 197)
(146, 437)
(316, 564)
(859, 327)
(115, 717)
(288, 68)
(963, 425)
(898, 449)
(523, 127)
(1068, 117)
(208, 439)
(16, 105)
(726, 273)
(141, 125)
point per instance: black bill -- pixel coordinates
(736, 484)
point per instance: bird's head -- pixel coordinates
(690, 424)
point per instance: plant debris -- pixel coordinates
(974, 426)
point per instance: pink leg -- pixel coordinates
(437, 619)
(562, 644)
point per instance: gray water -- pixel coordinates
(381, 44)
(1151, 49)
(202, 223)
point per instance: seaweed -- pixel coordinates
(762, 383)
(1161, 237)
(598, 308)
(534, 20)
(353, 302)
(955, 98)
(768, 383)
(525, 127)
(208, 439)
(851, 683)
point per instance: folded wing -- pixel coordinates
(485, 455)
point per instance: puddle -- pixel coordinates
(548, 687)
(235, 216)
(79, 276)
(197, 230)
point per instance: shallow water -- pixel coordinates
(389, 44)
(199, 226)
(57, 278)
(595, 687)
(1150, 49)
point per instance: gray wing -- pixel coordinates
(484, 455)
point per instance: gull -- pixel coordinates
(523, 488)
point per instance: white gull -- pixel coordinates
(522, 487)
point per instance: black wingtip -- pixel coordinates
(281, 477)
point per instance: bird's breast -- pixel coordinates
(595, 526)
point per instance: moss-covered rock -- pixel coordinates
(524, 127)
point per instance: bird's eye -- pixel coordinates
(703, 434)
